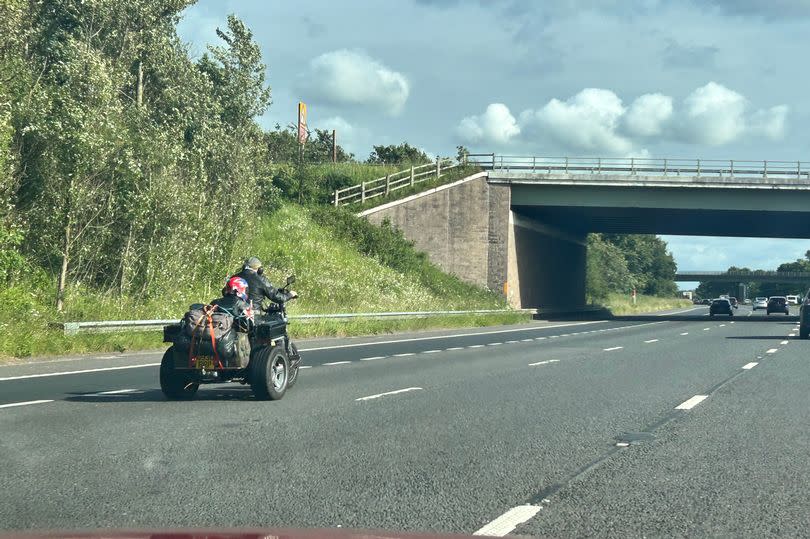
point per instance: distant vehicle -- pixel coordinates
(706, 302)
(777, 304)
(760, 303)
(734, 302)
(721, 306)
(697, 301)
(792, 300)
(804, 317)
(747, 301)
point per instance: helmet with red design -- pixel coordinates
(238, 287)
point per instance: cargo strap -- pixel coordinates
(208, 310)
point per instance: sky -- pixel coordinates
(709, 79)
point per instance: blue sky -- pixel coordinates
(710, 79)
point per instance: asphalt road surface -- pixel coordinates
(674, 425)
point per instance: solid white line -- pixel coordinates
(378, 395)
(783, 342)
(14, 404)
(771, 351)
(685, 333)
(336, 363)
(372, 358)
(691, 403)
(405, 354)
(508, 521)
(546, 362)
(750, 365)
(614, 348)
(650, 341)
(83, 371)
(533, 328)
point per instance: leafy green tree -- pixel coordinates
(606, 270)
(651, 265)
(398, 155)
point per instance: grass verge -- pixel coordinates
(621, 305)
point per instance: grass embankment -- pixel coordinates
(342, 264)
(620, 304)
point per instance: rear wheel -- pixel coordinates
(174, 384)
(269, 373)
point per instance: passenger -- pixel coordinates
(235, 301)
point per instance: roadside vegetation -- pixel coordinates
(622, 304)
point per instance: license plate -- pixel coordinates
(205, 362)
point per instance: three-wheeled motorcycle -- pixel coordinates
(265, 358)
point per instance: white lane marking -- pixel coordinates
(305, 367)
(526, 340)
(14, 404)
(431, 351)
(691, 403)
(508, 521)
(434, 337)
(378, 395)
(476, 346)
(336, 363)
(372, 358)
(565, 335)
(771, 351)
(783, 342)
(706, 329)
(685, 333)
(406, 354)
(750, 313)
(554, 336)
(679, 312)
(546, 362)
(107, 357)
(651, 341)
(455, 348)
(116, 392)
(613, 348)
(538, 339)
(750, 365)
(83, 371)
(722, 325)
(511, 342)
(731, 322)
(494, 344)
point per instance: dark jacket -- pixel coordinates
(239, 309)
(259, 288)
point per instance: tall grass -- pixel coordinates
(620, 304)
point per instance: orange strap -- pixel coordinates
(213, 340)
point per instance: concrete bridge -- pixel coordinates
(745, 276)
(520, 225)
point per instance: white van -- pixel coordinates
(792, 300)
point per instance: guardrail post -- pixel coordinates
(438, 166)
(599, 164)
(501, 162)
(566, 165)
(387, 184)
(632, 165)
(798, 169)
(698, 168)
(534, 163)
(493, 161)
(764, 169)
(665, 167)
(362, 192)
(732, 168)
(411, 175)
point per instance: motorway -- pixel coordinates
(675, 425)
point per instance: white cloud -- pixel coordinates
(495, 126)
(714, 115)
(351, 137)
(585, 122)
(770, 122)
(648, 115)
(346, 77)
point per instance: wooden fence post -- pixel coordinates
(438, 166)
(362, 192)
(411, 175)
(336, 198)
(387, 184)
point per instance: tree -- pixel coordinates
(606, 270)
(402, 154)
(650, 264)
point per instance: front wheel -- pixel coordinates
(174, 384)
(269, 373)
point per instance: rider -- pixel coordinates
(259, 287)
(235, 300)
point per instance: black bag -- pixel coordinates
(211, 331)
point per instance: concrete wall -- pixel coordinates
(467, 228)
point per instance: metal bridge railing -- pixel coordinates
(644, 166)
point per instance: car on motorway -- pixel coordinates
(706, 302)
(760, 302)
(777, 304)
(792, 300)
(804, 317)
(747, 301)
(721, 306)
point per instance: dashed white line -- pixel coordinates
(494, 344)
(526, 340)
(546, 362)
(454, 348)
(431, 351)
(722, 325)
(750, 365)
(706, 329)
(651, 341)
(508, 521)
(771, 351)
(783, 342)
(476, 346)
(305, 367)
(539, 339)
(26, 403)
(685, 333)
(613, 348)
(378, 395)
(406, 354)
(372, 358)
(336, 363)
(691, 403)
